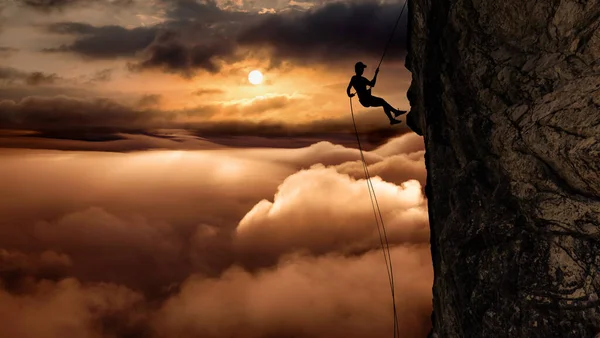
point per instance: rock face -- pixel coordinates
(507, 96)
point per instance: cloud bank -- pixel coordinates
(211, 243)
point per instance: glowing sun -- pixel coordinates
(255, 77)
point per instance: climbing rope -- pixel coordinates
(378, 218)
(385, 247)
(392, 34)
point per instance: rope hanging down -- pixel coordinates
(376, 210)
(378, 218)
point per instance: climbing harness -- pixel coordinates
(376, 211)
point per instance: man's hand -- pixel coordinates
(351, 94)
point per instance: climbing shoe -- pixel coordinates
(399, 112)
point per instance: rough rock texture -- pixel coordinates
(507, 96)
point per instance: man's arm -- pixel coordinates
(349, 87)
(372, 82)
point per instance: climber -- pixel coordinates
(365, 98)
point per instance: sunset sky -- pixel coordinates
(148, 189)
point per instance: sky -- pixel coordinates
(150, 190)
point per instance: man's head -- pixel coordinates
(359, 68)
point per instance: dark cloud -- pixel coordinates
(37, 78)
(196, 36)
(105, 41)
(337, 129)
(200, 36)
(19, 270)
(76, 115)
(50, 5)
(71, 114)
(326, 33)
(177, 57)
(99, 140)
(11, 76)
(93, 141)
(185, 48)
(16, 92)
(17, 84)
(331, 32)
(68, 113)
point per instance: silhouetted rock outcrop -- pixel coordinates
(507, 96)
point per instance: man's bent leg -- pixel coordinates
(379, 102)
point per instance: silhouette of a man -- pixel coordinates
(365, 98)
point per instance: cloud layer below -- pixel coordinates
(212, 243)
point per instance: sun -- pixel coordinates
(255, 77)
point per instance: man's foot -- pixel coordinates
(399, 112)
(394, 121)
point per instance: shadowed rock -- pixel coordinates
(507, 96)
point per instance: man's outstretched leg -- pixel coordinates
(387, 108)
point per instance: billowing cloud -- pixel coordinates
(208, 243)
(403, 159)
(107, 247)
(53, 308)
(407, 144)
(20, 271)
(331, 296)
(113, 214)
(332, 212)
(395, 169)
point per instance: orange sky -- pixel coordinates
(149, 190)
(181, 63)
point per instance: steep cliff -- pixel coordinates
(507, 96)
